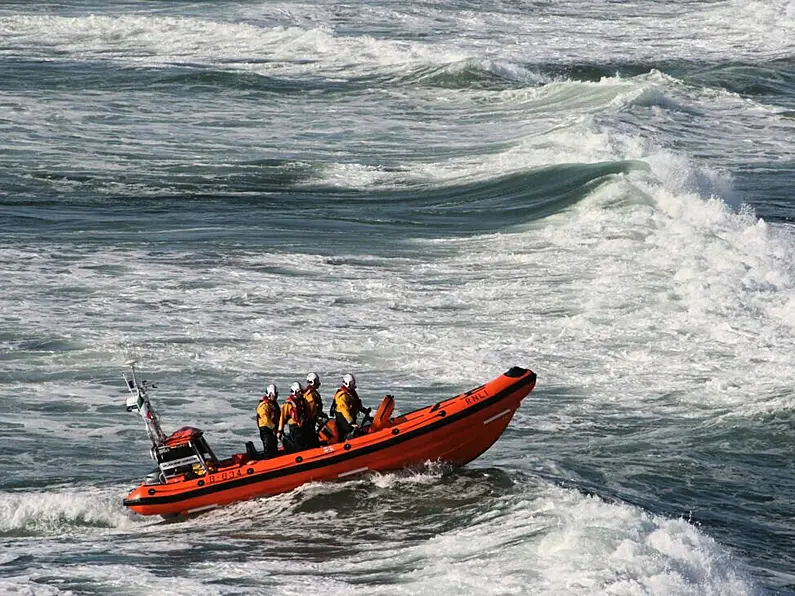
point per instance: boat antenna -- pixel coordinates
(139, 400)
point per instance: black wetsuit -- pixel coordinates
(269, 443)
(298, 438)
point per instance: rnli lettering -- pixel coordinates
(473, 399)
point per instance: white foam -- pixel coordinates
(25, 586)
(113, 578)
(63, 511)
(162, 40)
(540, 137)
(653, 267)
(395, 480)
(563, 542)
(305, 40)
(552, 541)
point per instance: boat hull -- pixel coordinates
(455, 431)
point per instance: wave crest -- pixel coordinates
(58, 512)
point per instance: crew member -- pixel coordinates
(312, 397)
(347, 406)
(295, 418)
(268, 419)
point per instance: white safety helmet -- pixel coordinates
(272, 391)
(349, 381)
(313, 379)
(296, 389)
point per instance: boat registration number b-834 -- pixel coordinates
(221, 476)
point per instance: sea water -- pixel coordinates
(423, 194)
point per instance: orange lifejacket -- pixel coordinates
(298, 409)
(268, 414)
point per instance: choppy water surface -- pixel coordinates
(424, 194)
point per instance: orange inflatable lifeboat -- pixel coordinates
(457, 430)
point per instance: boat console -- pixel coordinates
(184, 453)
